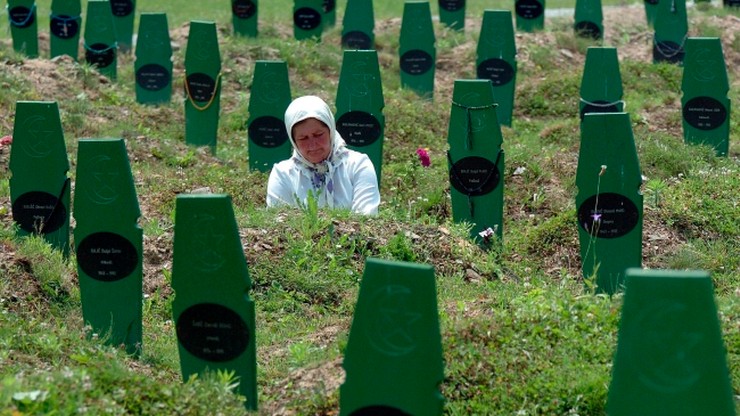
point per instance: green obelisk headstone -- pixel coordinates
(214, 316)
(202, 85)
(153, 65)
(124, 12)
(530, 15)
(308, 19)
(65, 26)
(705, 103)
(393, 359)
(101, 48)
(268, 140)
(452, 14)
(475, 158)
(496, 60)
(651, 9)
(670, 357)
(22, 17)
(358, 25)
(245, 17)
(109, 243)
(417, 52)
(360, 103)
(589, 19)
(609, 203)
(601, 84)
(329, 7)
(671, 29)
(39, 185)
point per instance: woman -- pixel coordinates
(321, 164)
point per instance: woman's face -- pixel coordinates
(313, 140)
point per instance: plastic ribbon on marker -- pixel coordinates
(31, 14)
(469, 121)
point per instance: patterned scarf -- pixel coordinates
(320, 174)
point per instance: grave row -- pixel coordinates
(670, 355)
(706, 115)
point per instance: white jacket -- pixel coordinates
(355, 185)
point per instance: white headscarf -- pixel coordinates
(320, 174)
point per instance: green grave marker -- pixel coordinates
(731, 3)
(670, 357)
(651, 9)
(589, 19)
(358, 25)
(39, 185)
(308, 19)
(393, 359)
(101, 49)
(609, 203)
(214, 316)
(202, 85)
(153, 65)
(109, 243)
(65, 25)
(705, 103)
(329, 7)
(496, 60)
(124, 12)
(452, 14)
(476, 159)
(244, 17)
(671, 29)
(23, 21)
(268, 139)
(417, 52)
(601, 84)
(530, 15)
(360, 103)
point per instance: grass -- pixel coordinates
(522, 334)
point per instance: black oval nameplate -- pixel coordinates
(652, 2)
(267, 131)
(107, 257)
(497, 70)
(307, 18)
(599, 106)
(357, 40)
(416, 62)
(100, 55)
(529, 9)
(474, 176)
(64, 27)
(212, 332)
(704, 113)
(451, 5)
(615, 216)
(379, 410)
(588, 30)
(358, 128)
(243, 9)
(201, 86)
(121, 8)
(21, 17)
(39, 212)
(153, 77)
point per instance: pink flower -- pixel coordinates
(424, 157)
(6, 140)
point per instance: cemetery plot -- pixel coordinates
(39, 187)
(530, 15)
(101, 47)
(417, 53)
(24, 26)
(496, 60)
(65, 25)
(671, 29)
(245, 17)
(153, 65)
(109, 247)
(394, 343)
(214, 316)
(452, 14)
(358, 25)
(202, 85)
(124, 12)
(589, 19)
(670, 356)
(268, 138)
(308, 19)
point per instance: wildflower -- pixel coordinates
(6, 140)
(424, 157)
(596, 217)
(487, 233)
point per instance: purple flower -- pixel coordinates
(424, 157)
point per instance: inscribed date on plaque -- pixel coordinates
(64, 27)
(212, 332)
(608, 215)
(100, 55)
(704, 113)
(201, 86)
(416, 62)
(121, 8)
(107, 257)
(356, 39)
(497, 70)
(307, 18)
(451, 5)
(267, 131)
(243, 9)
(358, 128)
(39, 212)
(529, 9)
(474, 176)
(153, 77)
(21, 17)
